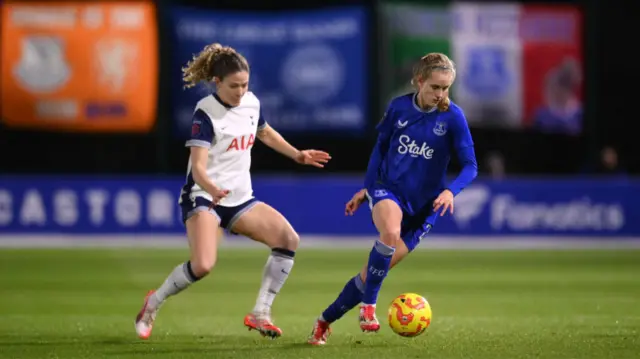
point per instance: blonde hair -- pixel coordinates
(429, 63)
(213, 61)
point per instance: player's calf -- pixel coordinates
(178, 280)
(376, 271)
(276, 272)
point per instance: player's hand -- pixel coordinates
(444, 202)
(313, 158)
(218, 195)
(355, 202)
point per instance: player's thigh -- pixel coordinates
(401, 253)
(202, 232)
(387, 217)
(265, 224)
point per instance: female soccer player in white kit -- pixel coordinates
(218, 191)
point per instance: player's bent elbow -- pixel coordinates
(474, 172)
(470, 170)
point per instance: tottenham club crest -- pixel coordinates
(440, 128)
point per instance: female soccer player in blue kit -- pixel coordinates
(406, 183)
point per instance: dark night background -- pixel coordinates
(609, 70)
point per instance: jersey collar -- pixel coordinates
(415, 105)
(226, 105)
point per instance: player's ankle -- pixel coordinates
(154, 302)
(261, 314)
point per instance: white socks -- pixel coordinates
(276, 272)
(180, 278)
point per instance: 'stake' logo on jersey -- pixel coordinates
(410, 147)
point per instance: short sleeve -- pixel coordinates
(262, 122)
(201, 130)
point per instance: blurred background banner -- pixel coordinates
(79, 66)
(412, 30)
(73, 70)
(552, 68)
(519, 66)
(308, 68)
(543, 207)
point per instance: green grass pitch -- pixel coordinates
(81, 303)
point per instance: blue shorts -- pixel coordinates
(227, 216)
(414, 226)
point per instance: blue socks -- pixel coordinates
(377, 269)
(356, 292)
(350, 296)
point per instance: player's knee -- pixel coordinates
(363, 275)
(202, 266)
(390, 237)
(291, 240)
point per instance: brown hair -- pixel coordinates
(214, 60)
(429, 63)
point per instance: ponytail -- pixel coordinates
(443, 105)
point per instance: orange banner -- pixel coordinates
(83, 66)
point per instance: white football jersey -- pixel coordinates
(229, 133)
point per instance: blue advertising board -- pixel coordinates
(308, 68)
(315, 205)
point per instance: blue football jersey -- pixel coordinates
(414, 149)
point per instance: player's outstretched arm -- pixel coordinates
(273, 139)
